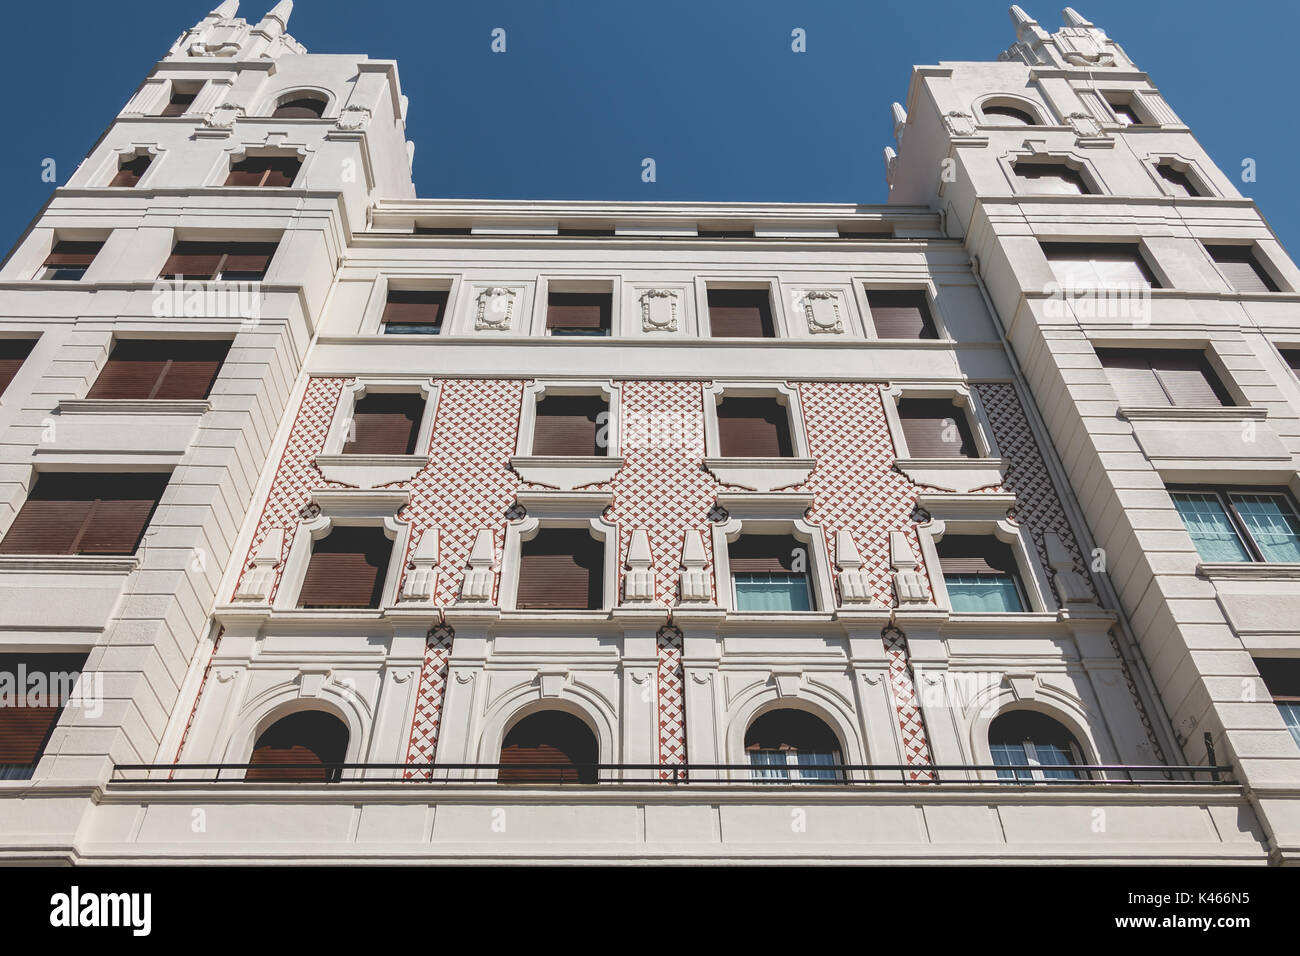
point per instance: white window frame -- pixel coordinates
(240, 151)
(1040, 156)
(372, 322)
(770, 284)
(758, 474)
(863, 284)
(560, 510)
(1188, 167)
(611, 285)
(771, 514)
(369, 471)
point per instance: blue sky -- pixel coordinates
(709, 88)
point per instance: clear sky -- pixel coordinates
(710, 89)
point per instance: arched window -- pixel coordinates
(549, 747)
(1023, 738)
(997, 115)
(300, 106)
(792, 745)
(309, 740)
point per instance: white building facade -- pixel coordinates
(379, 528)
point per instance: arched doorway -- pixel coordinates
(793, 745)
(1026, 738)
(549, 747)
(309, 741)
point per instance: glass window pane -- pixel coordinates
(1011, 755)
(1290, 711)
(1271, 524)
(809, 764)
(769, 764)
(1050, 755)
(771, 591)
(1210, 528)
(983, 592)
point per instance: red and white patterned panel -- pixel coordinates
(911, 722)
(427, 719)
(671, 698)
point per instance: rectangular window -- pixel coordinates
(1245, 525)
(1176, 181)
(935, 428)
(130, 171)
(570, 425)
(442, 231)
(753, 428)
(585, 233)
(1145, 378)
(1242, 270)
(171, 369)
(578, 313)
(981, 574)
(385, 424)
(414, 311)
(181, 100)
(70, 259)
(347, 569)
(264, 171)
(43, 683)
(13, 352)
(233, 261)
(561, 569)
(1051, 179)
(725, 233)
(1124, 112)
(740, 313)
(1281, 676)
(1099, 265)
(1292, 359)
(769, 573)
(81, 513)
(901, 314)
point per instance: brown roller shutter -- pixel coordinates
(561, 568)
(309, 740)
(347, 569)
(27, 722)
(760, 553)
(550, 747)
(386, 425)
(160, 370)
(264, 171)
(130, 171)
(414, 308)
(1178, 181)
(13, 352)
(1115, 263)
(1053, 178)
(578, 311)
(1241, 269)
(753, 428)
(976, 554)
(901, 314)
(935, 428)
(1148, 378)
(85, 514)
(74, 253)
(304, 107)
(194, 260)
(740, 313)
(568, 425)
(1133, 378)
(248, 258)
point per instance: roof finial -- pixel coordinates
(280, 12)
(1074, 19)
(226, 10)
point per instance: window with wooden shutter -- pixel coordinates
(549, 747)
(41, 684)
(414, 311)
(1006, 116)
(1242, 270)
(1052, 179)
(1098, 265)
(1147, 378)
(935, 428)
(753, 428)
(300, 107)
(769, 572)
(309, 742)
(181, 100)
(171, 369)
(264, 171)
(561, 568)
(385, 424)
(740, 313)
(246, 261)
(980, 573)
(84, 513)
(130, 171)
(69, 259)
(901, 314)
(347, 569)
(1176, 181)
(570, 425)
(13, 352)
(578, 313)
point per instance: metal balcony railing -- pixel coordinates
(836, 776)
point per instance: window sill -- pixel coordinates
(1249, 570)
(370, 471)
(566, 473)
(130, 406)
(959, 475)
(1211, 413)
(72, 563)
(761, 474)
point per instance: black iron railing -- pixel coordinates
(855, 776)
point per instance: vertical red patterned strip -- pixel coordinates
(671, 699)
(427, 719)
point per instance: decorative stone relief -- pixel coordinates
(420, 583)
(659, 308)
(822, 308)
(223, 116)
(855, 586)
(1071, 586)
(260, 578)
(477, 587)
(1085, 125)
(354, 117)
(695, 584)
(959, 123)
(909, 583)
(639, 580)
(496, 308)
